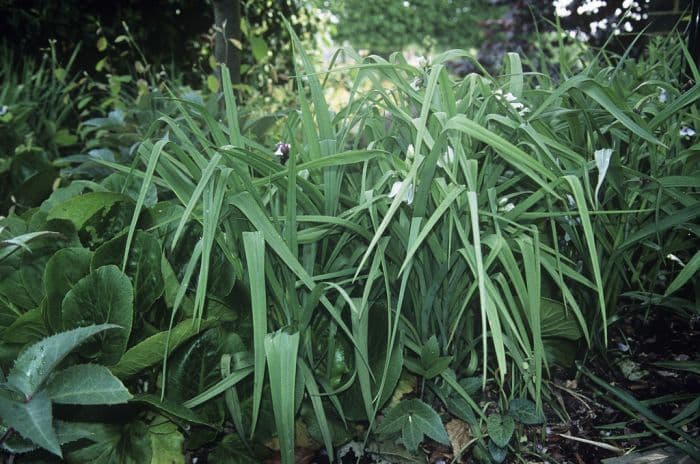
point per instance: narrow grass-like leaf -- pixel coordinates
(687, 273)
(254, 245)
(281, 350)
(580, 199)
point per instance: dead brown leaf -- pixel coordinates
(459, 433)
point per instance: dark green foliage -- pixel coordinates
(388, 26)
(438, 275)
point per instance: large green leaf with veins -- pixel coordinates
(63, 270)
(32, 419)
(103, 296)
(34, 364)
(142, 266)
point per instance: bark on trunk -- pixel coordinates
(227, 19)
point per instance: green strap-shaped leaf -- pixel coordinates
(254, 244)
(281, 350)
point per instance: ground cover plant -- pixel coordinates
(413, 274)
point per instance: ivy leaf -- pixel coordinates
(524, 411)
(500, 428)
(87, 384)
(32, 419)
(35, 363)
(414, 419)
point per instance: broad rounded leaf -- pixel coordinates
(35, 363)
(81, 208)
(130, 185)
(63, 270)
(166, 443)
(500, 429)
(103, 296)
(87, 384)
(524, 411)
(142, 266)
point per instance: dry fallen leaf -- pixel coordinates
(459, 433)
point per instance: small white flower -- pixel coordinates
(675, 258)
(663, 95)
(410, 152)
(447, 158)
(282, 149)
(561, 7)
(423, 62)
(602, 161)
(416, 83)
(408, 194)
(687, 132)
(504, 205)
(512, 101)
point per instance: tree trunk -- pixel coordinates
(227, 21)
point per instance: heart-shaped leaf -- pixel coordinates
(497, 453)
(524, 411)
(500, 428)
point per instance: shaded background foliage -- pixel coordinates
(175, 35)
